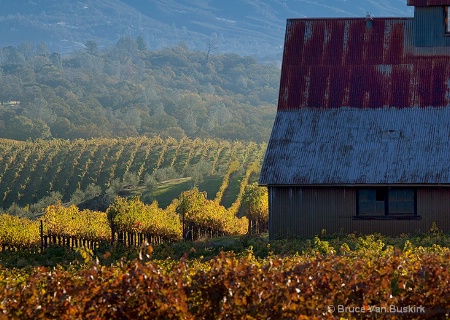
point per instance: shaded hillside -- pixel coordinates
(126, 90)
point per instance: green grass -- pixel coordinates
(168, 190)
(254, 177)
(232, 191)
(211, 185)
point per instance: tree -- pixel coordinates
(126, 43)
(131, 117)
(141, 44)
(91, 47)
(199, 171)
(42, 49)
(23, 128)
(12, 56)
(10, 88)
(130, 179)
(27, 49)
(56, 60)
(150, 182)
(211, 46)
(40, 130)
(38, 109)
(62, 128)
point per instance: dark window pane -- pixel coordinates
(380, 207)
(371, 195)
(371, 207)
(405, 195)
(393, 208)
(381, 195)
(369, 203)
(363, 208)
(401, 201)
(363, 196)
(392, 195)
(409, 206)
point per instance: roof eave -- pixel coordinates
(358, 185)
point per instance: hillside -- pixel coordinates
(126, 90)
(152, 168)
(247, 27)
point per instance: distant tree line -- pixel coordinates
(128, 90)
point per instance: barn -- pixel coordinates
(361, 139)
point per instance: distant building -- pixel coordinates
(361, 139)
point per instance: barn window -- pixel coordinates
(401, 201)
(372, 202)
(386, 203)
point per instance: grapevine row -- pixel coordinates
(30, 170)
(403, 284)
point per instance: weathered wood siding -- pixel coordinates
(306, 211)
(433, 204)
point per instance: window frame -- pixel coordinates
(446, 20)
(386, 215)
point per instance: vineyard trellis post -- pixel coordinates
(41, 233)
(183, 213)
(113, 231)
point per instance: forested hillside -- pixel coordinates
(127, 90)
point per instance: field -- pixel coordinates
(328, 277)
(30, 171)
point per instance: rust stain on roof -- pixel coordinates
(330, 63)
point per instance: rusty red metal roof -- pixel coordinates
(330, 63)
(363, 101)
(426, 3)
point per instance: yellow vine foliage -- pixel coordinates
(132, 215)
(18, 232)
(256, 202)
(208, 214)
(71, 222)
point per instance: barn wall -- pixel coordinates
(434, 206)
(305, 212)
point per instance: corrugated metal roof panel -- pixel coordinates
(345, 41)
(353, 146)
(330, 63)
(425, 3)
(362, 103)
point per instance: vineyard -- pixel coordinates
(30, 171)
(129, 222)
(345, 277)
(74, 263)
(202, 185)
